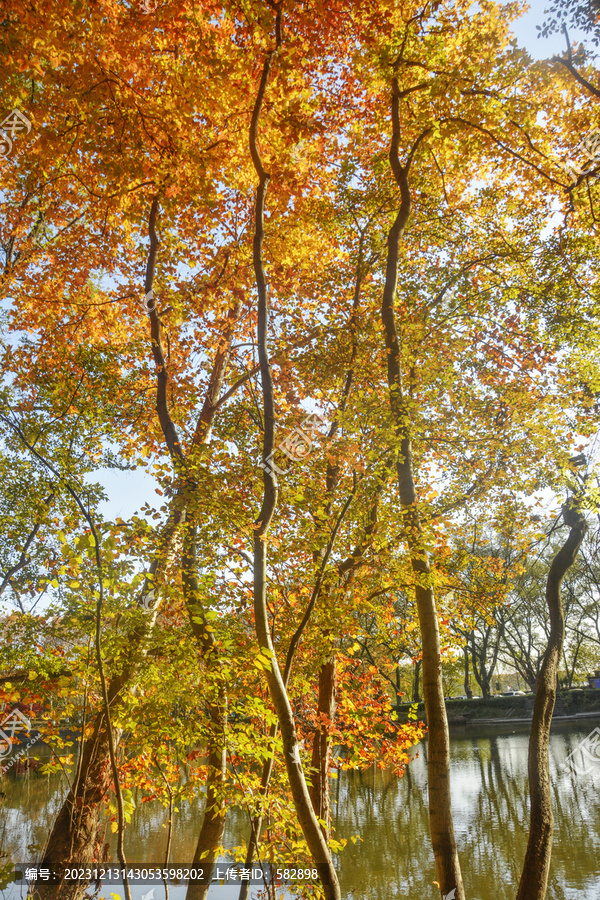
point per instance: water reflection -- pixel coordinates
(490, 800)
(392, 857)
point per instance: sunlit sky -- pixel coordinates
(526, 33)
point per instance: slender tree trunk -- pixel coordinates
(416, 692)
(479, 671)
(398, 692)
(331, 482)
(468, 691)
(307, 819)
(485, 687)
(210, 838)
(438, 756)
(534, 878)
(257, 821)
(319, 791)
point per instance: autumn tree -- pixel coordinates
(275, 216)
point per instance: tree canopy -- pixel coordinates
(324, 274)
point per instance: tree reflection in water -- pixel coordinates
(393, 858)
(490, 801)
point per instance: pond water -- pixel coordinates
(392, 857)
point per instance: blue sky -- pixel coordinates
(526, 33)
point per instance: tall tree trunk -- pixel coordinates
(534, 879)
(306, 815)
(210, 838)
(416, 691)
(398, 692)
(319, 791)
(479, 670)
(307, 819)
(332, 477)
(257, 821)
(468, 691)
(485, 687)
(438, 757)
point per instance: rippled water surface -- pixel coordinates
(393, 857)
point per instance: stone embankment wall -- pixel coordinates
(568, 703)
